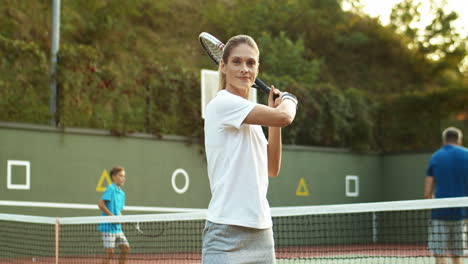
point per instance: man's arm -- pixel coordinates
(429, 187)
(103, 207)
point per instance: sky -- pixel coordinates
(383, 8)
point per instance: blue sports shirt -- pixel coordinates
(114, 198)
(449, 167)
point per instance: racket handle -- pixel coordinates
(262, 86)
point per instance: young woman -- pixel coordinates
(240, 159)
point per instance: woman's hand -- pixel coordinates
(274, 102)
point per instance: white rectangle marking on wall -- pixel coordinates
(27, 184)
(350, 179)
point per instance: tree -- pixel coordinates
(437, 39)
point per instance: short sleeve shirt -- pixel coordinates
(237, 164)
(449, 167)
(114, 198)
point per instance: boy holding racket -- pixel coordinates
(111, 203)
(240, 159)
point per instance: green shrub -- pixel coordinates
(415, 121)
(24, 82)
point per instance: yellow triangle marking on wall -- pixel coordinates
(104, 177)
(302, 189)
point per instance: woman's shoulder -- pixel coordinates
(225, 99)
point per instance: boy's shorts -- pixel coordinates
(110, 239)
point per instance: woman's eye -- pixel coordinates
(251, 63)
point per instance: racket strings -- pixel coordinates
(216, 54)
(220, 46)
(213, 47)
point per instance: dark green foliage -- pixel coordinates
(332, 118)
(134, 66)
(24, 90)
(406, 119)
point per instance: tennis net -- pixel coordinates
(384, 232)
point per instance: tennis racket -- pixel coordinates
(214, 48)
(149, 229)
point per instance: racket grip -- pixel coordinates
(262, 86)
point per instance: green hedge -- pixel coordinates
(140, 93)
(415, 121)
(165, 99)
(24, 93)
(331, 117)
(150, 98)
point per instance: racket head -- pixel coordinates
(149, 229)
(213, 47)
(137, 227)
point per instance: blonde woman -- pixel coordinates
(240, 160)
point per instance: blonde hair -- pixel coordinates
(230, 45)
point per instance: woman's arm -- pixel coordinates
(274, 151)
(279, 113)
(281, 116)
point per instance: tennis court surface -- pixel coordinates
(386, 232)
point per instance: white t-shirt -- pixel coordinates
(237, 164)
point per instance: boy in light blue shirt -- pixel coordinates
(111, 203)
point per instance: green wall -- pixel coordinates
(66, 167)
(324, 172)
(404, 176)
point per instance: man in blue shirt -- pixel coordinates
(447, 176)
(111, 203)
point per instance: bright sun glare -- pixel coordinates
(382, 9)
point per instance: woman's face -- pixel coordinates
(241, 68)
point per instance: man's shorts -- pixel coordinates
(236, 244)
(110, 239)
(447, 235)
